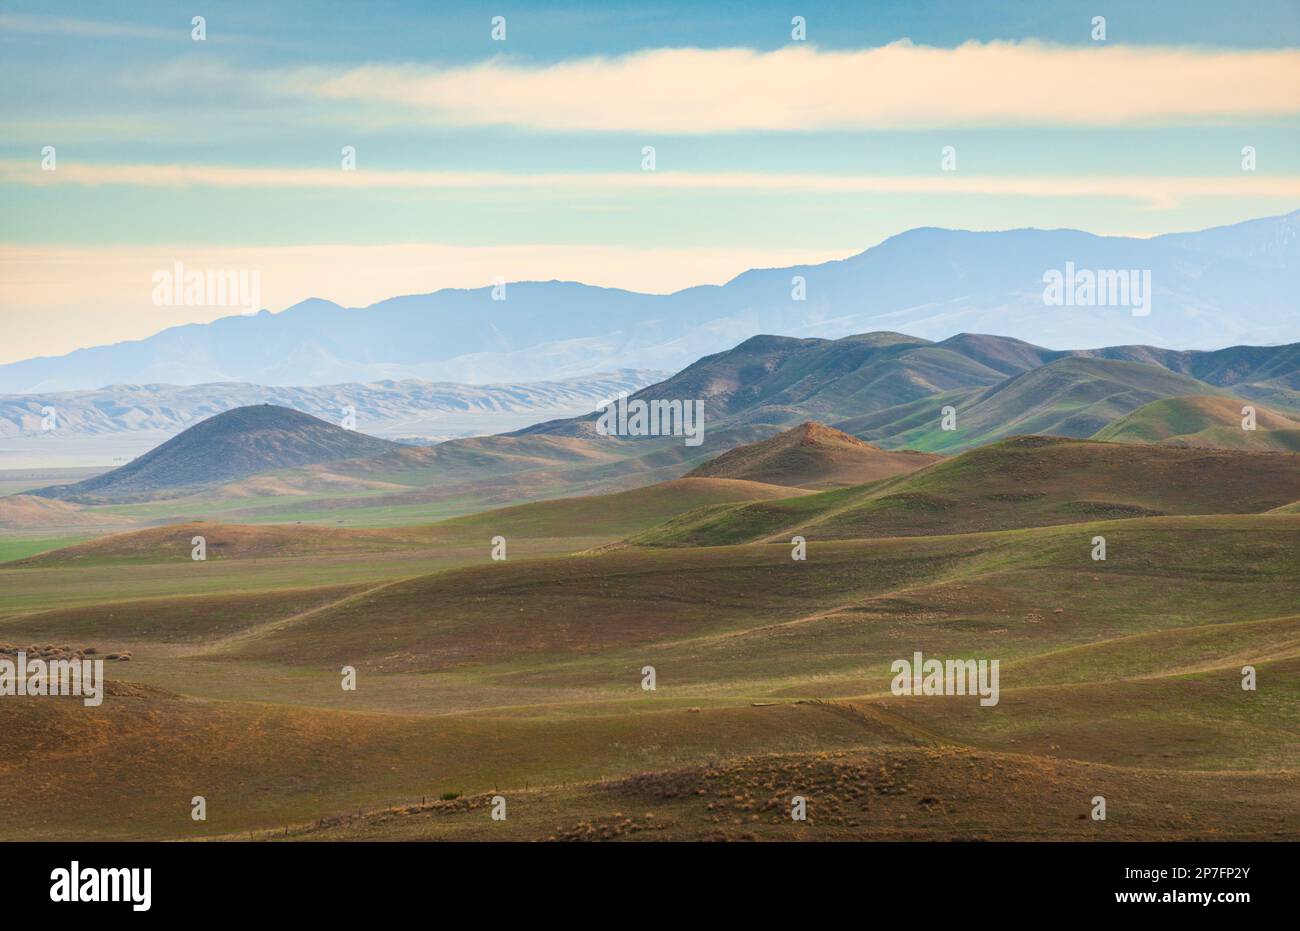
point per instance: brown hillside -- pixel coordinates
(226, 541)
(28, 512)
(812, 455)
(589, 517)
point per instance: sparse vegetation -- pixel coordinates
(521, 677)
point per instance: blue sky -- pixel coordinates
(523, 158)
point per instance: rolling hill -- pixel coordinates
(1071, 396)
(811, 455)
(582, 520)
(780, 381)
(1025, 481)
(884, 388)
(173, 543)
(231, 445)
(888, 388)
(523, 677)
(1204, 421)
(781, 687)
(877, 794)
(29, 512)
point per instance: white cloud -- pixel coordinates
(69, 26)
(802, 88)
(1162, 192)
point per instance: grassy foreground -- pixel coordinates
(523, 677)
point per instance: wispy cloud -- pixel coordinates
(69, 26)
(1163, 192)
(801, 88)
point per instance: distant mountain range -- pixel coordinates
(1223, 286)
(406, 410)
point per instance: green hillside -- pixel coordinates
(1019, 482)
(1204, 421)
(1069, 397)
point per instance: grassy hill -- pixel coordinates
(1019, 482)
(872, 385)
(576, 522)
(878, 794)
(811, 455)
(1204, 421)
(1265, 373)
(783, 381)
(610, 515)
(231, 445)
(29, 512)
(172, 543)
(1069, 397)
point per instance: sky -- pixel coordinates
(524, 157)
